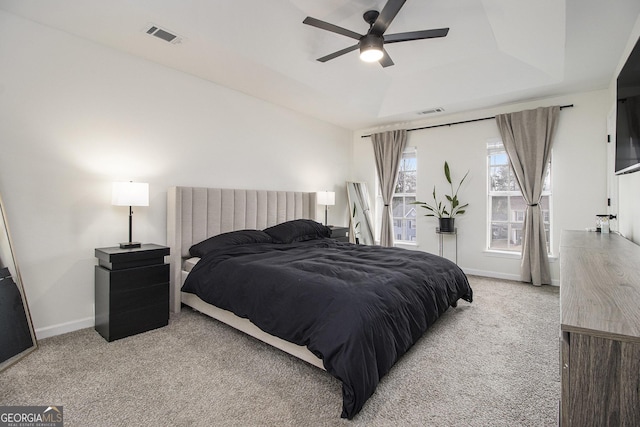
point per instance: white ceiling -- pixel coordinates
(496, 52)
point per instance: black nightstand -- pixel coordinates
(131, 290)
(341, 234)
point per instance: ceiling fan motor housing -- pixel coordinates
(370, 16)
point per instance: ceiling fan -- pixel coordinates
(372, 44)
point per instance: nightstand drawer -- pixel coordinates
(340, 234)
(133, 322)
(133, 278)
(134, 299)
(118, 259)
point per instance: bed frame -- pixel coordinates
(195, 213)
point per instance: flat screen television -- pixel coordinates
(628, 115)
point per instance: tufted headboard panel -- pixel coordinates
(195, 213)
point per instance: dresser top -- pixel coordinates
(600, 285)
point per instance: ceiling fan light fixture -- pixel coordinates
(371, 44)
(371, 48)
(371, 55)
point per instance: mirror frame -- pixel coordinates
(8, 260)
(367, 220)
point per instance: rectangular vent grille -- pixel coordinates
(163, 34)
(432, 111)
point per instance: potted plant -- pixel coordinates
(446, 210)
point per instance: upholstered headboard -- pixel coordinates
(194, 214)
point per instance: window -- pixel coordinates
(506, 205)
(403, 212)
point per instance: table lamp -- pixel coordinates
(326, 198)
(130, 194)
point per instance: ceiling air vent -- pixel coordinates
(163, 34)
(432, 111)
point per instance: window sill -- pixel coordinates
(502, 254)
(401, 243)
(512, 255)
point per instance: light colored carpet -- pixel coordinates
(490, 363)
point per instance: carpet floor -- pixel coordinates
(490, 363)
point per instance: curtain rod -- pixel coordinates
(458, 123)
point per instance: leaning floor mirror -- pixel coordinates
(17, 338)
(361, 226)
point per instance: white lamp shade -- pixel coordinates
(327, 198)
(130, 194)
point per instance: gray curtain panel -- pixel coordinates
(388, 148)
(527, 137)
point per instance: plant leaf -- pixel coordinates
(463, 178)
(447, 173)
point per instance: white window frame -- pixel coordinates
(512, 215)
(411, 222)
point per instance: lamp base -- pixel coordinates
(130, 245)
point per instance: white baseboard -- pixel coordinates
(63, 328)
(496, 275)
(492, 274)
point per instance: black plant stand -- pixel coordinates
(441, 235)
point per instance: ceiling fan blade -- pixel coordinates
(389, 12)
(416, 35)
(338, 53)
(386, 61)
(330, 27)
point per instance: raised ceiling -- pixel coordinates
(497, 51)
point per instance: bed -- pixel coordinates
(352, 310)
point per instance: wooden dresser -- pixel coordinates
(600, 330)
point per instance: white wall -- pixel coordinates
(75, 116)
(578, 168)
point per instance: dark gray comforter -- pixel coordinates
(358, 308)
